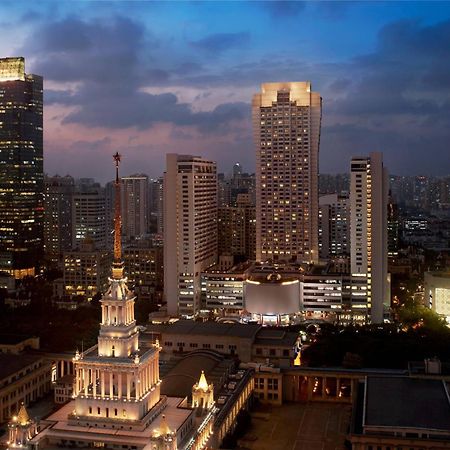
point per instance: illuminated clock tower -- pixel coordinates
(116, 381)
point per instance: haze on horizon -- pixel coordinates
(148, 78)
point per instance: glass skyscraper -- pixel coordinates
(21, 168)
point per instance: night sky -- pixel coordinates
(147, 78)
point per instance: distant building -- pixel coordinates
(21, 168)
(89, 215)
(86, 270)
(144, 268)
(286, 122)
(437, 292)
(135, 206)
(368, 228)
(190, 230)
(156, 198)
(334, 226)
(237, 229)
(58, 195)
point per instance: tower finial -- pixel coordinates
(117, 266)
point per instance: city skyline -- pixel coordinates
(189, 88)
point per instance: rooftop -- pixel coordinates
(11, 364)
(180, 374)
(209, 328)
(402, 402)
(276, 337)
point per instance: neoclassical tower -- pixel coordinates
(116, 380)
(202, 393)
(20, 430)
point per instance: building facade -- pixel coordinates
(334, 226)
(89, 215)
(58, 193)
(135, 206)
(190, 230)
(369, 186)
(21, 168)
(286, 123)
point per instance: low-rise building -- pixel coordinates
(401, 412)
(437, 292)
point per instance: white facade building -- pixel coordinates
(286, 123)
(369, 187)
(190, 230)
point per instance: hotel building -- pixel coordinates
(369, 186)
(286, 123)
(190, 230)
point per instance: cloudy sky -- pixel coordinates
(148, 78)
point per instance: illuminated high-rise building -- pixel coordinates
(21, 168)
(190, 230)
(89, 215)
(58, 193)
(369, 187)
(135, 206)
(286, 123)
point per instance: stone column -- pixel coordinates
(102, 383)
(119, 392)
(111, 385)
(94, 382)
(128, 386)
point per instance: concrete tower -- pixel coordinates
(369, 187)
(190, 230)
(286, 123)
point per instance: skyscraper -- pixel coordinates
(369, 187)
(135, 206)
(58, 193)
(89, 215)
(190, 229)
(21, 168)
(286, 122)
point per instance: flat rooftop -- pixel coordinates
(276, 337)
(209, 328)
(59, 425)
(403, 402)
(11, 364)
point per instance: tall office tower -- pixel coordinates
(21, 168)
(135, 206)
(58, 193)
(369, 186)
(334, 226)
(156, 204)
(190, 229)
(286, 123)
(89, 215)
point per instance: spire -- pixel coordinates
(22, 417)
(118, 264)
(202, 383)
(164, 427)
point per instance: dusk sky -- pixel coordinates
(148, 78)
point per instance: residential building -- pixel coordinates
(135, 206)
(368, 230)
(89, 215)
(334, 226)
(21, 169)
(86, 270)
(58, 194)
(286, 122)
(190, 230)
